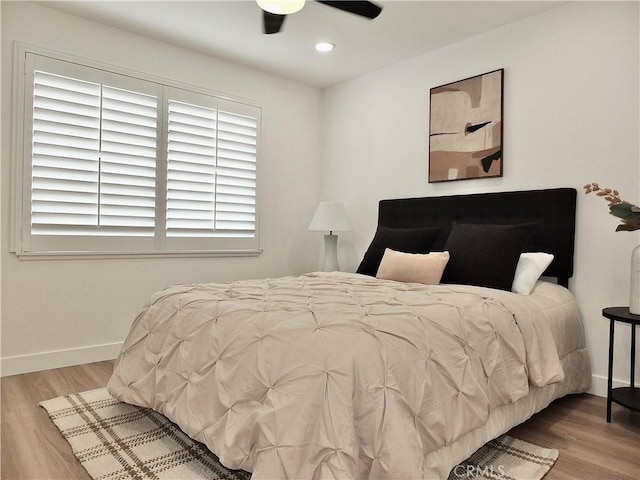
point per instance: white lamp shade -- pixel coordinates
(281, 7)
(330, 217)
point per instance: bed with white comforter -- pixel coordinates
(345, 376)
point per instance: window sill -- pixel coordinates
(30, 256)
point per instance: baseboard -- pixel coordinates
(58, 358)
(599, 385)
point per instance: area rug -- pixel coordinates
(117, 441)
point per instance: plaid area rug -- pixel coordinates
(117, 441)
(506, 458)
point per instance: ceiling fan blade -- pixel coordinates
(272, 22)
(364, 9)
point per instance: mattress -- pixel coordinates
(336, 375)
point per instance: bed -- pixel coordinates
(369, 375)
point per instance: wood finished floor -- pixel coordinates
(590, 448)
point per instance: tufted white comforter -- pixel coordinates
(332, 375)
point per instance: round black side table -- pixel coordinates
(626, 396)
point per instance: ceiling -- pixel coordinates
(232, 30)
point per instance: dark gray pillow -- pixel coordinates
(485, 255)
(407, 240)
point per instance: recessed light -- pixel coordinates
(324, 47)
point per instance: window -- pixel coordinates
(112, 163)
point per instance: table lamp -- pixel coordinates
(330, 216)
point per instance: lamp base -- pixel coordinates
(330, 262)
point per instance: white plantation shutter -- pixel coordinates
(191, 170)
(65, 158)
(119, 164)
(128, 162)
(93, 155)
(236, 192)
(211, 172)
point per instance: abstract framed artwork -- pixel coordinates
(465, 128)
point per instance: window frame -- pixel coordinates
(27, 246)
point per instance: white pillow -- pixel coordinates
(412, 267)
(530, 267)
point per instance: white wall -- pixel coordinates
(571, 117)
(56, 313)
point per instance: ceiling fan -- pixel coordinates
(275, 11)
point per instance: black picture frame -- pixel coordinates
(466, 128)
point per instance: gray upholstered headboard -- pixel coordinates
(552, 209)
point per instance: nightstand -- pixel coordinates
(626, 396)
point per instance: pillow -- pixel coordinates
(530, 266)
(408, 240)
(413, 267)
(485, 255)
